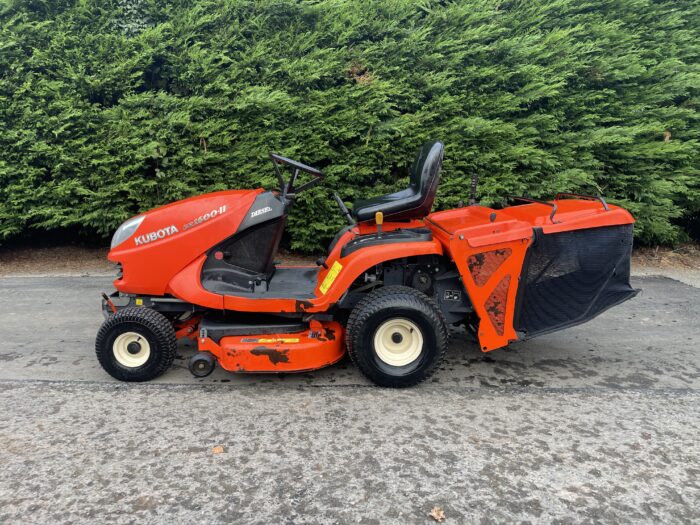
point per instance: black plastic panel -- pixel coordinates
(247, 258)
(248, 255)
(266, 207)
(285, 283)
(392, 237)
(216, 329)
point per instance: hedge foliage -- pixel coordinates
(112, 107)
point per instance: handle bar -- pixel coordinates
(537, 201)
(344, 210)
(598, 198)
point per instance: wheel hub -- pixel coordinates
(131, 349)
(398, 342)
(202, 364)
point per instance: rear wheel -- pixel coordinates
(396, 336)
(136, 344)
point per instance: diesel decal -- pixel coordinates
(204, 218)
(154, 236)
(255, 213)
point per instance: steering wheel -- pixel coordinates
(288, 189)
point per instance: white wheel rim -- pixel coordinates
(130, 358)
(398, 342)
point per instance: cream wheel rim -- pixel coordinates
(131, 349)
(398, 342)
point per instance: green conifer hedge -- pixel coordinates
(112, 107)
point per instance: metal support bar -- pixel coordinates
(537, 201)
(596, 197)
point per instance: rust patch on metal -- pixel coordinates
(496, 305)
(275, 356)
(482, 265)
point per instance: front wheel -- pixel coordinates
(136, 344)
(396, 336)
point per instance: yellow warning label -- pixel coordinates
(330, 277)
(139, 302)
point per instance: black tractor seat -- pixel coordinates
(416, 201)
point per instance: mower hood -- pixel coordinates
(154, 246)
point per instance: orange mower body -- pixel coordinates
(389, 287)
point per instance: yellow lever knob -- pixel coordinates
(379, 218)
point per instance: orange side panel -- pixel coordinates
(352, 267)
(320, 346)
(359, 261)
(491, 280)
(187, 286)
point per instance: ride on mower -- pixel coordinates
(391, 284)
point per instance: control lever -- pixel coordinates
(475, 182)
(379, 219)
(344, 210)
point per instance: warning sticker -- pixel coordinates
(330, 277)
(270, 340)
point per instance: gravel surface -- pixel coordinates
(597, 423)
(120, 454)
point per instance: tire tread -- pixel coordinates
(383, 298)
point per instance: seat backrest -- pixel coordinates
(425, 173)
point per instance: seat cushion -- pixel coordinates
(391, 203)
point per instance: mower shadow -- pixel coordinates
(625, 348)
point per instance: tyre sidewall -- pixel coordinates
(382, 372)
(155, 328)
(146, 369)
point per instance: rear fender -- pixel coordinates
(335, 280)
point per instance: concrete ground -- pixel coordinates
(595, 424)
